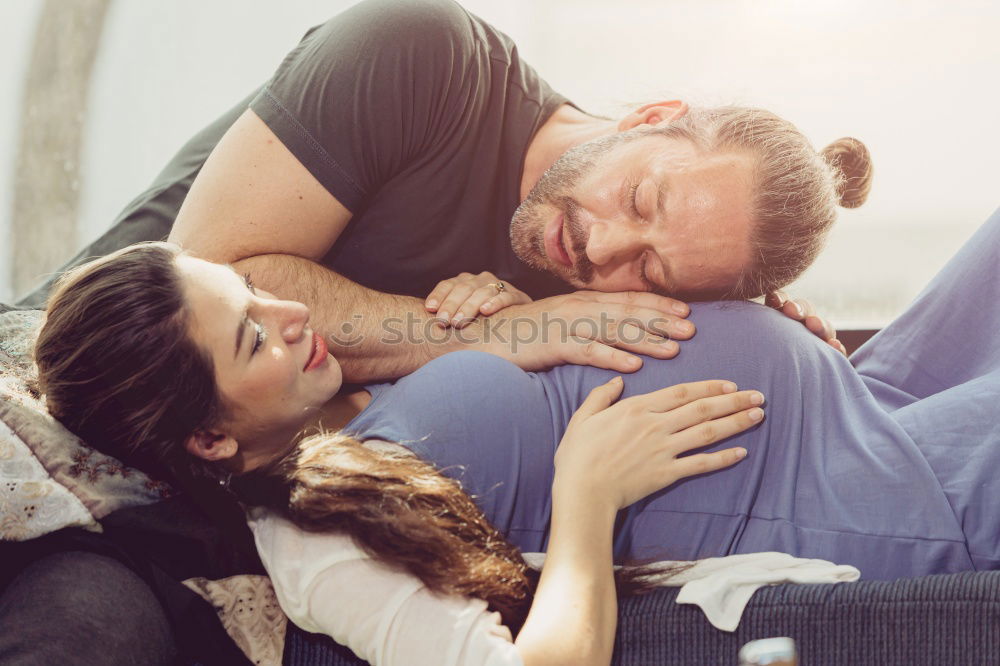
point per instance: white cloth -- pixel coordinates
(722, 586)
(326, 584)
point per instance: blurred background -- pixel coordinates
(100, 93)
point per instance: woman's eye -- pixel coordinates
(259, 338)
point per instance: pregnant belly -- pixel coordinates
(829, 473)
(483, 421)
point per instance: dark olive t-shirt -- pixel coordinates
(416, 116)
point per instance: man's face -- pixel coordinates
(639, 211)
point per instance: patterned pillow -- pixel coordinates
(49, 479)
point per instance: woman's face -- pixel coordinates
(273, 372)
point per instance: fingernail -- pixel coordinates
(728, 387)
(432, 303)
(486, 307)
(756, 398)
(457, 320)
(799, 310)
(616, 380)
(681, 309)
(670, 346)
(634, 362)
(683, 327)
(444, 316)
(756, 414)
(741, 453)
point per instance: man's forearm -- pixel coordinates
(373, 335)
(385, 336)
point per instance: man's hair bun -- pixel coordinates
(853, 163)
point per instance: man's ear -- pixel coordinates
(211, 445)
(654, 113)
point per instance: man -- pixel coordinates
(390, 151)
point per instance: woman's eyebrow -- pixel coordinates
(244, 319)
(240, 329)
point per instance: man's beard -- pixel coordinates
(554, 190)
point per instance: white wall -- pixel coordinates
(915, 80)
(17, 30)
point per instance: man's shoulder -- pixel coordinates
(442, 23)
(424, 12)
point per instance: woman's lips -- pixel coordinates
(555, 247)
(319, 353)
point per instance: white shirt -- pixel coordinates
(326, 584)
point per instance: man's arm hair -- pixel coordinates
(254, 205)
(371, 334)
(385, 336)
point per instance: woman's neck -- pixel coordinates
(342, 408)
(331, 417)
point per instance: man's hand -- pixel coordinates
(604, 330)
(458, 300)
(802, 310)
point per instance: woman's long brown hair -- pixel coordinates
(118, 368)
(400, 510)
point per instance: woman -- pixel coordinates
(148, 345)
(858, 467)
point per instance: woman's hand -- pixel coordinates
(626, 451)
(459, 300)
(611, 456)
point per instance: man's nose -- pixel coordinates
(613, 242)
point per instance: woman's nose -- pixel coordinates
(290, 318)
(613, 242)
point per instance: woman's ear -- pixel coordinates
(654, 113)
(210, 445)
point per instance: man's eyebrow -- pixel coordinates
(667, 288)
(661, 197)
(623, 201)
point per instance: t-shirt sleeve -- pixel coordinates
(366, 94)
(326, 584)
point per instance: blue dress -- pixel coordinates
(889, 464)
